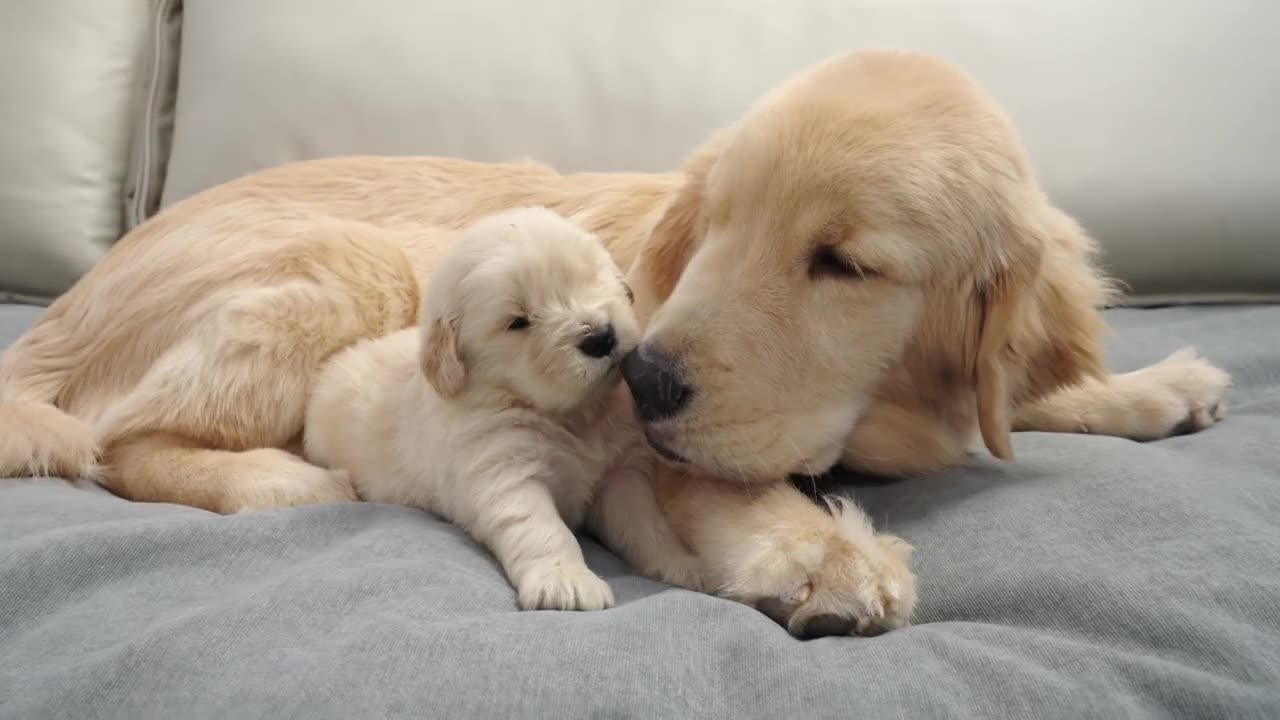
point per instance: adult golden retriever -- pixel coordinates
(863, 269)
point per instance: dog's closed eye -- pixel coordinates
(519, 322)
(827, 261)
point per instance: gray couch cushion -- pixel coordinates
(73, 84)
(1155, 128)
(152, 130)
(1094, 578)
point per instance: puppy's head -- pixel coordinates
(529, 305)
(790, 271)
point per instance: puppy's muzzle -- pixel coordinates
(656, 384)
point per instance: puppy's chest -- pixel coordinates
(574, 473)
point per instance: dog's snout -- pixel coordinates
(656, 386)
(600, 342)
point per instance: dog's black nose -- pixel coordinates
(599, 343)
(655, 383)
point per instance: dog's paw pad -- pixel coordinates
(828, 624)
(863, 586)
(1180, 395)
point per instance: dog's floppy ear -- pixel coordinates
(677, 232)
(1002, 298)
(1040, 331)
(441, 352)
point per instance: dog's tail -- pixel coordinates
(40, 439)
(37, 438)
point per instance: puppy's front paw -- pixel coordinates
(1179, 395)
(843, 579)
(564, 587)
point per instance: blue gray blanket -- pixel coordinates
(1095, 578)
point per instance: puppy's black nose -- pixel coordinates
(655, 383)
(599, 343)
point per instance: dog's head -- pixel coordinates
(792, 268)
(529, 305)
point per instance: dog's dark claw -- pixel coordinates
(826, 625)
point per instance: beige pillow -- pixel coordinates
(70, 83)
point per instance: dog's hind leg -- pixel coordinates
(1181, 394)
(161, 467)
(205, 424)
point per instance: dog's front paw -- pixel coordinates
(842, 579)
(1179, 395)
(564, 587)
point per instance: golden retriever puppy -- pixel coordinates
(862, 269)
(495, 414)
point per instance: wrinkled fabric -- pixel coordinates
(1094, 578)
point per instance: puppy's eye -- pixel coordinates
(828, 262)
(519, 322)
(631, 296)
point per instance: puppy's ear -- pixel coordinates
(1040, 331)
(441, 357)
(677, 232)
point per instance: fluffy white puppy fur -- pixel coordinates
(495, 412)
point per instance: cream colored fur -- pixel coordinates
(969, 310)
(505, 431)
